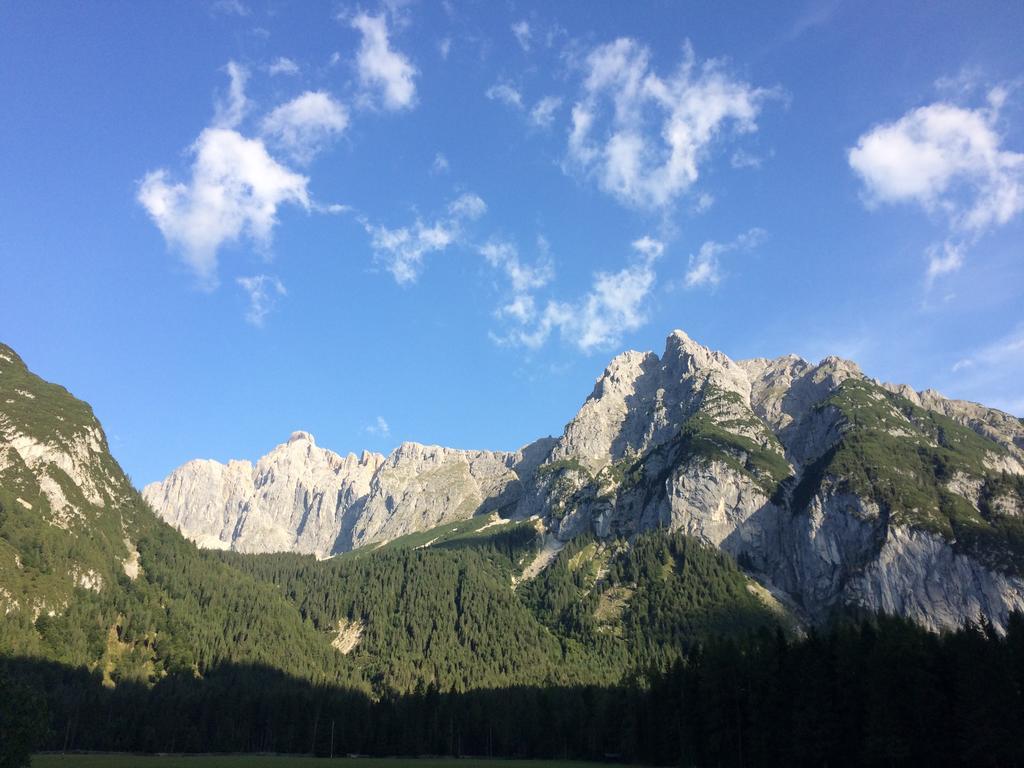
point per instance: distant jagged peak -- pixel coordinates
(679, 345)
(837, 368)
(623, 372)
(301, 436)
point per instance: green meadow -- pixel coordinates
(282, 761)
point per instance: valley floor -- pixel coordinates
(282, 761)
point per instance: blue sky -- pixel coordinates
(224, 221)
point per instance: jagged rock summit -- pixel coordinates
(834, 490)
(293, 499)
(303, 498)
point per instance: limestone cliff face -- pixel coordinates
(292, 499)
(303, 498)
(826, 485)
(806, 473)
(641, 401)
(422, 486)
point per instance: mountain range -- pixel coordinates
(835, 491)
(705, 555)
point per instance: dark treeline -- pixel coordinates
(882, 692)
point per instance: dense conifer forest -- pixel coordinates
(654, 653)
(879, 692)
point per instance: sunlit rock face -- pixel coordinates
(838, 490)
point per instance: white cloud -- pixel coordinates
(950, 161)
(947, 159)
(741, 159)
(704, 202)
(379, 428)
(540, 115)
(230, 112)
(650, 248)
(306, 124)
(440, 164)
(235, 191)
(263, 291)
(704, 269)
(283, 66)
(229, 8)
(334, 208)
(943, 258)
(445, 47)
(705, 266)
(402, 250)
(543, 113)
(506, 94)
(521, 30)
(382, 68)
(643, 136)
(522, 277)
(467, 206)
(615, 304)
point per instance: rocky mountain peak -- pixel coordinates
(685, 359)
(641, 400)
(301, 437)
(819, 479)
(836, 370)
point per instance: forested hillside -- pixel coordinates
(881, 693)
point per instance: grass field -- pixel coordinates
(264, 761)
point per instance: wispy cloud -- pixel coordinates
(615, 304)
(263, 292)
(521, 31)
(467, 206)
(283, 66)
(382, 70)
(379, 428)
(403, 249)
(230, 109)
(705, 266)
(543, 113)
(523, 278)
(540, 115)
(229, 8)
(506, 94)
(643, 136)
(742, 159)
(305, 125)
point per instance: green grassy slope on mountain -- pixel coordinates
(89, 576)
(906, 459)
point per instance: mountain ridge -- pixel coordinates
(832, 487)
